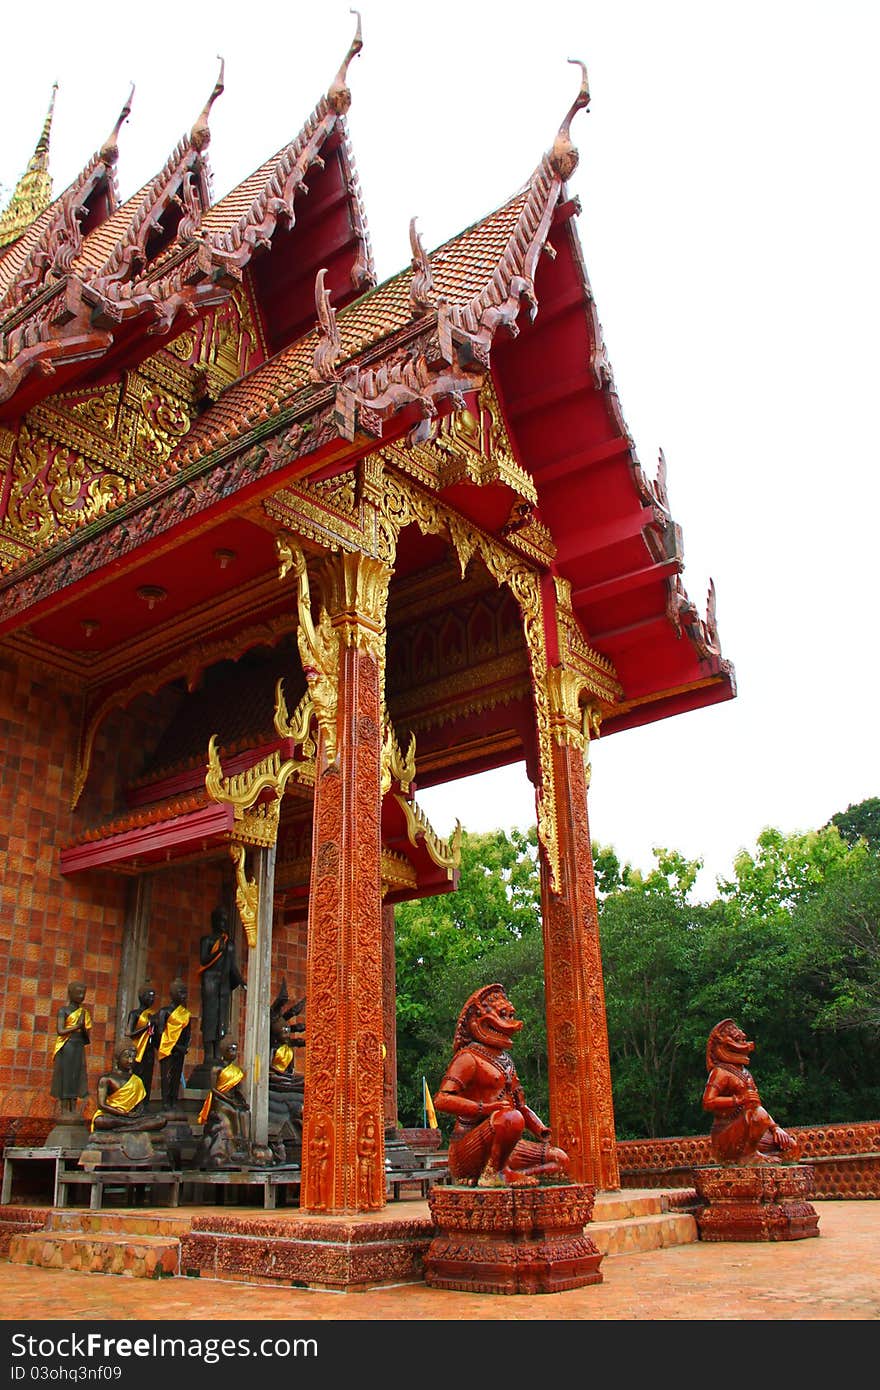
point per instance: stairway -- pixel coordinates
(635, 1220)
(142, 1245)
(147, 1244)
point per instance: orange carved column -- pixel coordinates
(582, 1115)
(343, 1157)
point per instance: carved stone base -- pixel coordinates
(756, 1202)
(512, 1239)
(118, 1149)
(337, 1253)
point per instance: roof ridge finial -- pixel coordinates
(564, 157)
(42, 145)
(33, 192)
(422, 295)
(110, 147)
(200, 135)
(339, 95)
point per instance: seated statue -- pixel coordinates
(482, 1090)
(286, 1084)
(122, 1098)
(742, 1130)
(225, 1115)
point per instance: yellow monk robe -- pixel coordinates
(177, 1021)
(228, 1078)
(142, 1027)
(283, 1057)
(79, 1017)
(123, 1100)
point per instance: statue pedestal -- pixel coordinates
(121, 1149)
(512, 1239)
(762, 1201)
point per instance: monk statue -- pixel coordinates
(141, 1029)
(286, 1084)
(225, 1115)
(122, 1097)
(73, 1032)
(173, 1029)
(218, 976)
(482, 1090)
(742, 1130)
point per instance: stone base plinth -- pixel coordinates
(512, 1239)
(756, 1202)
(316, 1253)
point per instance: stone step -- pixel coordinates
(110, 1221)
(138, 1256)
(636, 1234)
(620, 1206)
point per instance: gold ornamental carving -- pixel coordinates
(247, 893)
(400, 490)
(318, 648)
(395, 765)
(242, 790)
(354, 593)
(79, 454)
(446, 854)
(255, 820)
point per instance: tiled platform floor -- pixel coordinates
(835, 1277)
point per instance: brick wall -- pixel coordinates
(845, 1158)
(55, 929)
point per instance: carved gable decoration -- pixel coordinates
(81, 453)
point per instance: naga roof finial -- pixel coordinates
(339, 95)
(421, 291)
(329, 342)
(110, 147)
(564, 157)
(200, 135)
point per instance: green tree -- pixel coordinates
(770, 963)
(860, 822)
(446, 944)
(649, 933)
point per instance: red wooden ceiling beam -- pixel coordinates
(579, 460)
(624, 583)
(640, 628)
(551, 395)
(588, 539)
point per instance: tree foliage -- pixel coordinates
(790, 947)
(860, 822)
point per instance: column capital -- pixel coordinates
(354, 587)
(574, 721)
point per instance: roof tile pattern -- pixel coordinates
(462, 268)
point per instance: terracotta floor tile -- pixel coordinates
(835, 1277)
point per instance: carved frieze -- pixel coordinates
(77, 456)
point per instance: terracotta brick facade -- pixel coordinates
(54, 929)
(845, 1159)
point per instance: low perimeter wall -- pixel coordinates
(845, 1158)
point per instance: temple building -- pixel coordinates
(279, 546)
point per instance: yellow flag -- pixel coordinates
(429, 1107)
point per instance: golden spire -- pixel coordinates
(33, 193)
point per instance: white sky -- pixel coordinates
(730, 226)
